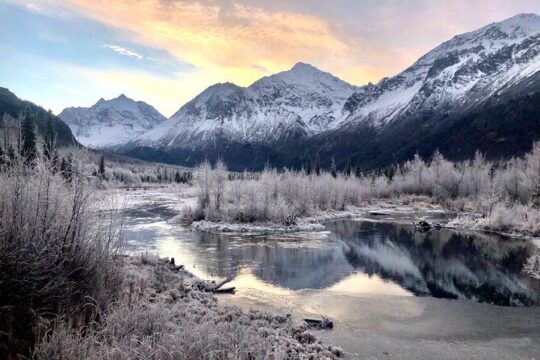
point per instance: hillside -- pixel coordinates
(11, 105)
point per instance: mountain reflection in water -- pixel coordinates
(356, 256)
(440, 263)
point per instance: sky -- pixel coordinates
(60, 53)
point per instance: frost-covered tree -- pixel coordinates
(204, 183)
(219, 177)
(532, 266)
(532, 174)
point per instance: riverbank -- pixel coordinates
(387, 208)
(182, 198)
(161, 314)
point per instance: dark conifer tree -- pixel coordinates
(308, 166)
(28, 149)
(101, 169)
(55, 162)
(66, 168)
(177, 177)
(63, 166)
(2, 160)
(11, 153)
(318, 166)
(348, 169)
(333, 169)
(357, 171)
(389, 173)
(49, 139)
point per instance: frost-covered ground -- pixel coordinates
(173, 197)
(162, 316)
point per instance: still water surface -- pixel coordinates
(378, 255)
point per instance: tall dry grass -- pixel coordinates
(56, 256)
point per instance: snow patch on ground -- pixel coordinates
(208, 226)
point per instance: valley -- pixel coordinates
(282, 212)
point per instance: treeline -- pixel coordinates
(29, 147)
(506, 194)
(112, 172)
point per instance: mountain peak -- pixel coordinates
(527, 23)
(523, 17)
(111, 122)
(304, 67)
(307, 76)
(217, 90)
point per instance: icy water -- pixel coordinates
(391, 292)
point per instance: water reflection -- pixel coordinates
(442, 263)
(353, 256)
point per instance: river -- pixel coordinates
(391, 291)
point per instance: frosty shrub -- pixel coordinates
(506, 193)
(532, 266)
(280, 197)
(56, 258)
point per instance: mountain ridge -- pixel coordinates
(292, 115)
(113, 122)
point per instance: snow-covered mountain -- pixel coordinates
(110, 123)
(304, 101)
(477, 91)
(458, 74)
(299, 102)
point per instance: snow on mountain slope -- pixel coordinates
(299, 102)
(458, 74)
(304, 101)
(109, 123)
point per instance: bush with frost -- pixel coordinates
(499, 191)
(56, 259)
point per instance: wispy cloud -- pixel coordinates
(123, 51)
(195, 43)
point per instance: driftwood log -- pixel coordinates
(208, 286)
(320, 324)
